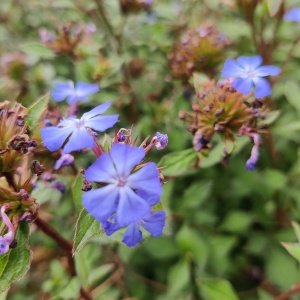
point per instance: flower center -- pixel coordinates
(122, 182)
(79, 124)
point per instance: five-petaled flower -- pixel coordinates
(292, 15)
(73, 93)
(247, 73)
(74, 134)
(124, 195)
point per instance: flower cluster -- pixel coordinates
(128, 188)
(18, 170)
(220, 109)
(200, 49)
(67, 39)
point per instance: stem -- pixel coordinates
(286, 295)
(195, 289)
(66, 246)
(116, 38)
(10, 180)
(291, 52)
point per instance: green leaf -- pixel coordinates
(237, 222)
(178, 277)
(274, 6)
(86, 229)
(35, 114)
(190, 241)
(271, 118)
(196, 194)
(216, 289)
(292, 92)
(77, 192)
(213, 157)
(296, 227)
(293, 249)
(15, 263)
(178, 163)
(36, 51)
(70, 291)
(96, 275)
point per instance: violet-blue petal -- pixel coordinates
(101, 123)
(86, 89)
(131, 207)
(110, 227)
(4, 245)
(100, 109)
(126, 157)
(249, 62)
(155, 222)
(146, 179)
(250, 166)
(54, 137)
(292, 15)
(64, 160)
(79, 140)
(75, 98)
(262, 88)
(231, 69)
(62, 90)
(267, 71)
(132, 235)
(102, 170)
(150, 197)
(244, 86)
(102, 202)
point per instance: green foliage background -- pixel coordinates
(224, 224)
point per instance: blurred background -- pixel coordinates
(225, 225)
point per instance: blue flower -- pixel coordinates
(247, 73)
(76, 134)
(73, 94)
(154, 223)
(292, 15)
(124, 195)
(161, 141)
(64, 160)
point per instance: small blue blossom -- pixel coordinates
(124, 195)
(154, 223)
(248, 74)
(76, 134)
(292, 15)
(161, 141)
(251, 162)
(64, 160)
(4, 245)
(58, 185)
(73, 94)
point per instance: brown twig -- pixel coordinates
(287, 294)
(67, 248)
